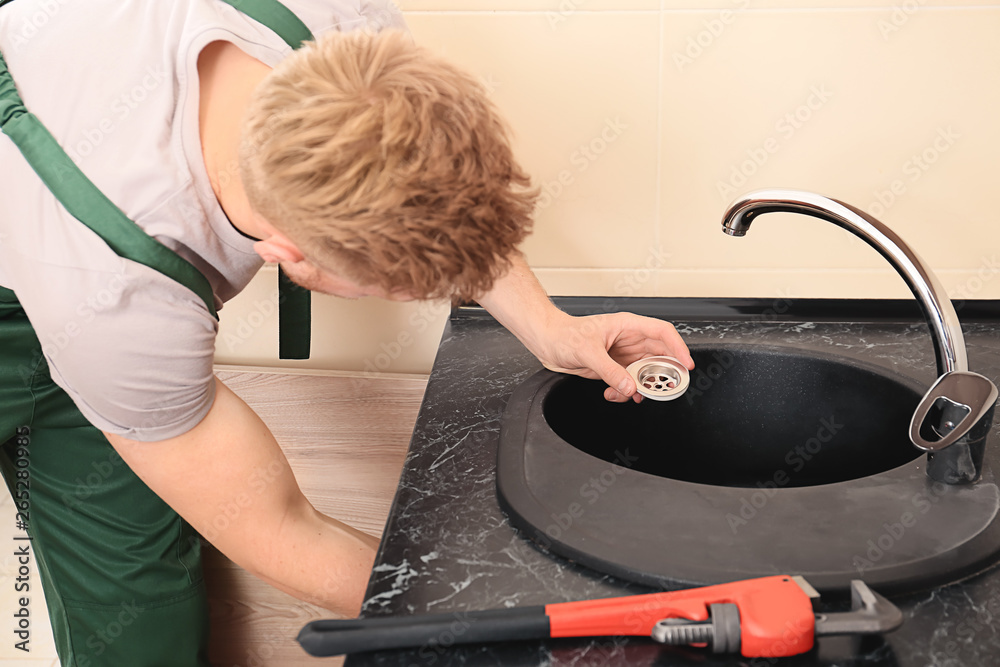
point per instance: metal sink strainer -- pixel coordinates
(660, 378)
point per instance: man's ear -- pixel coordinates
(276, 247)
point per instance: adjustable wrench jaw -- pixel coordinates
(760, 622)
(870, 614)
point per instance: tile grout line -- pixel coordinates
(708, 10)
(658, 197)
(739, 270)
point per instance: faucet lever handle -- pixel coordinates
(954, 404)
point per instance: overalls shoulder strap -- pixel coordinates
(294, 302)
(274, 15)
(85, 202)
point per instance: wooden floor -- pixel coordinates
(346, 437)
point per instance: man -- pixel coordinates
(365, 167)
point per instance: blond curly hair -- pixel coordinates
(386, 165)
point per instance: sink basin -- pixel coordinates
(750, 416)
(775, 461)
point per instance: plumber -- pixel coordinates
(360, 163)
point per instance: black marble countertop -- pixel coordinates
(448, 547)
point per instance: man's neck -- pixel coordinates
(227, 78)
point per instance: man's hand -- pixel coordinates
(599, 346)
(596, 346)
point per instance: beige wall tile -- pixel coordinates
(557, 11)
(356, 335)
(599, 282)
(894, 12)
(850, 96)
(582, 101)
(820, 101)
(960, 284)
(770, 284)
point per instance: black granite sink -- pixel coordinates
(448, 548)
(753, 416)
(776, 461)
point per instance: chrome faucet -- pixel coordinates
(955, 415)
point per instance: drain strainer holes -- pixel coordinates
(660, 378)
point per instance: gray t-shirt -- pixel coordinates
(116, 82)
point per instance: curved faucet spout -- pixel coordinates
(946, 331)
(953, 419)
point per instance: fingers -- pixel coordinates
(615, 340)
(611, 394)
(617, 378)
(614, 396)
(653, 335)
(658, 331)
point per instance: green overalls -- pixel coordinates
(120, 570)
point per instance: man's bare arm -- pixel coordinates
(231, 459)
(596, 346)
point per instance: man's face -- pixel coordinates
(274, 246)
(315, 279)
